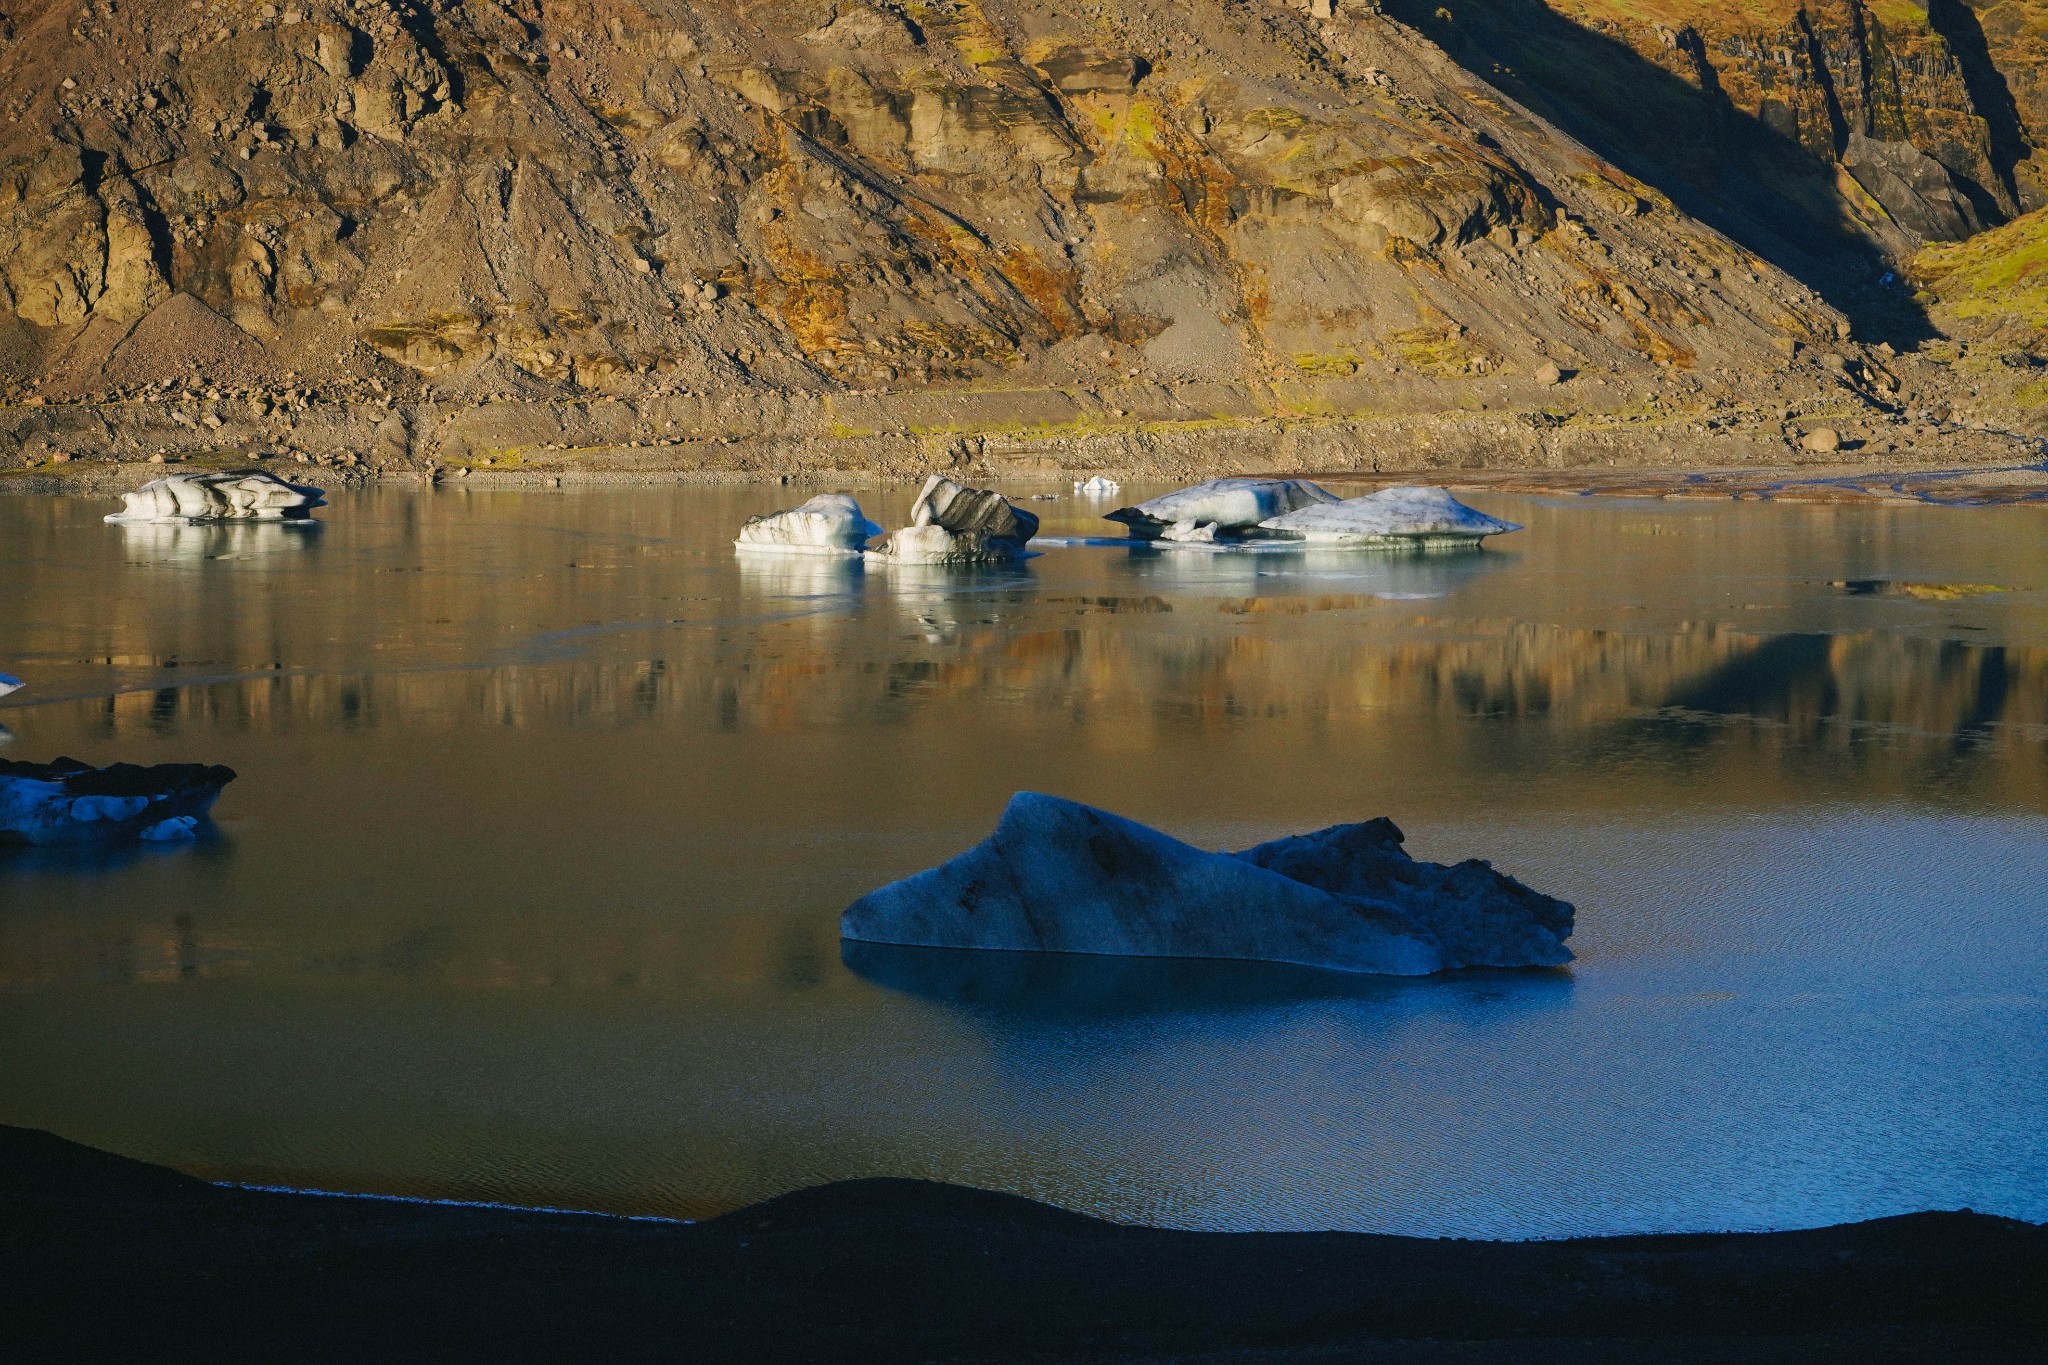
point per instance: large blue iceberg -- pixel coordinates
(1057, 876)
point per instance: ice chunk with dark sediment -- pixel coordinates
(1056, 876)
(828, 524)
(236, 495)
(1234, 506)
(1417, 517)
(71, 803)
(1482, 918)
(953, 524)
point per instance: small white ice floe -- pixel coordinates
(72, 803)
(1236, 507)
(1098, 486)
(10, 683)
(829, 524)
(953, 524)
(1418, 517)
(237, 495)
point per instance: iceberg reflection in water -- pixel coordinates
(189, 543)
(1056, 987)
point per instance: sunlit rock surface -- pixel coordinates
(1057, 876)
(953, 524)
(237, 495)
(829, 524)
(1421, 517)
(1232, 506)
(70, 803)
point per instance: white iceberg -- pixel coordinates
(1426, 518)
(10, 683)
(1098, 486)
(72, 803)
(1056, 876)
(953, 524)
(237, 495)
(1235, 507)
(829, 524)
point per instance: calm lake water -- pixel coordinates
(529, 885)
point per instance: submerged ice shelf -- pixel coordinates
(1057, 876)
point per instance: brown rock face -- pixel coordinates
(1904, 112)
(1241, 207)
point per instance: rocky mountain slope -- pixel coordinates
(991, 233)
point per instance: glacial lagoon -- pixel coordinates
(548, 805)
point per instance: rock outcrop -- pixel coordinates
(478, 201)
(828, 524)
(238, 495)
(1904, 116)
(402, 236)
(1419, 518)
(953, 524)
(1227, 507)
(1056, 876)
(68, 803)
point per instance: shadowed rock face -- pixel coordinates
(1057, 876)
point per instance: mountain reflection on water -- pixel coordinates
(548, 804)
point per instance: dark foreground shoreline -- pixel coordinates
(106, 1258)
